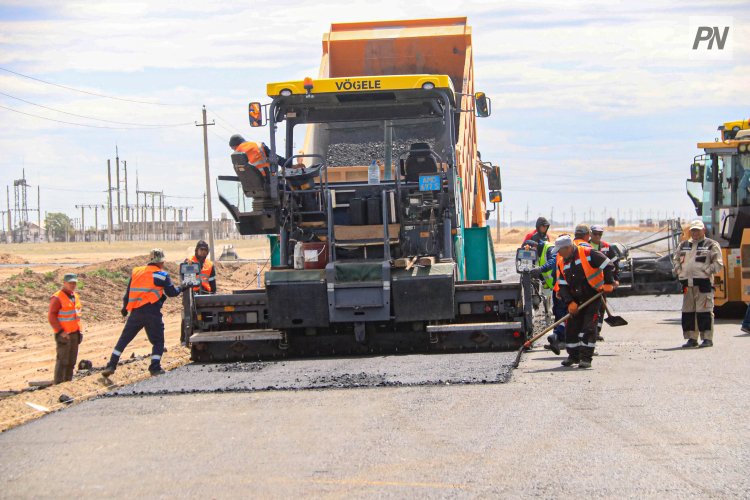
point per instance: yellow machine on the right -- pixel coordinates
(719, 187)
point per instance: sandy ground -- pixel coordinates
(27, 351)
(650, 420)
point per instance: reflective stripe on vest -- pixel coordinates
(205, 274)
(256, 155)
(594, 275)
(559, 271)
(69, 314)
(549, 281)
(142, 288)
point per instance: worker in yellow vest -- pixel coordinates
(208, 271)
(148, 288)
(64, 317)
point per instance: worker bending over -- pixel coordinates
(582, 273)
(148, 288)
(695, 263)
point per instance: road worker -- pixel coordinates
(258, 154)
(64, 317)
(546, 270)
(597, 243)
(582, 273)
(540, 233)
(148, 288)
(582, 235)
(208, 270)
(695, 263)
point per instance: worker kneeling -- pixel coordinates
(148, 288)
(582, 273)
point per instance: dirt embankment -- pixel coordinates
(9, 258)
(101, 287)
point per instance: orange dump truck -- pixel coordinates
(378, 225)
(422, 46)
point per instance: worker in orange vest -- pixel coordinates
(208, 271)
(582, 235)
(258, 154)
(582, 273)
(64, 317)
(148, 288)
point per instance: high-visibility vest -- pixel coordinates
(256, 155)
(143, 291)
(581, 243)
(603, 247)
(69, 314)
(205, 273)
(594, 275)
(549, 281)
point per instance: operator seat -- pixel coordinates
(253, 183)
(420, 161)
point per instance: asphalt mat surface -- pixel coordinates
(321, 373)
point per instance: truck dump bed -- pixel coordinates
(421, 46)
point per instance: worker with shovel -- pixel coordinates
(582, 274)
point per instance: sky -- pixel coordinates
(596, 106)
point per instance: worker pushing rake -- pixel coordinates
(584, 276)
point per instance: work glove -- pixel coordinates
(185, 286)
(607, 288)
(536, 272)
(124, 312)
(572, 308)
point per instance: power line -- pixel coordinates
(89, 92)
(93, 118)
(222, 119)
(73, 123)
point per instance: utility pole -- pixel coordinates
(10, 218)
(205, 126)
(127, 205)
(119, 209)
(109, 202)
(83, 225)
(39, 211)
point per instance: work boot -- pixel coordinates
(690, 343)
(109, 370)
(745, 329)
(554, 344)
(569, 362)
(707, 343)
(599, 338)
(584, 364)
(155, 370)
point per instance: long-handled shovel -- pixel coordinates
(536, 337)
(611, 319)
